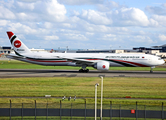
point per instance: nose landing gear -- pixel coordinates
(151, 70)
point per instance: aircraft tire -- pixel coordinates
(84, 71)
(87, 70)
(81, 70)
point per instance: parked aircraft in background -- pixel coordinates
(99, 61)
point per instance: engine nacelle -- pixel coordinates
(103, 65)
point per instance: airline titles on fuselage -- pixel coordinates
(20, 49)
(123, 57)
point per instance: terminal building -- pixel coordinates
(155, 50)
(161, 48)
(5, 50)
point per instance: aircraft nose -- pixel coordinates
(163, 61)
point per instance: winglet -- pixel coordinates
(10, 34)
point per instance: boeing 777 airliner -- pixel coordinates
(99, 61)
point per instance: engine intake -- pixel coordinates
(103, 66)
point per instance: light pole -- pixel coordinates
(101, 97)
(97, 84)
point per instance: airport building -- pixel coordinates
(155, 50)
(5, 50)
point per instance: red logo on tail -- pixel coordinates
(17, 43)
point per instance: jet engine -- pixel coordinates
(102, 65)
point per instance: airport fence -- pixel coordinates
(80, 111)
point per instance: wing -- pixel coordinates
(80, 60)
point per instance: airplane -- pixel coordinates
(99, 61)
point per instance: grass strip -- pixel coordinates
(83, 87)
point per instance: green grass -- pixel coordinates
(82, 87)
(23, 65)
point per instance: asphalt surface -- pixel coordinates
(17, 73)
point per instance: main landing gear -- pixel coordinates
(83, 69)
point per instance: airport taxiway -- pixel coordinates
(17, 73)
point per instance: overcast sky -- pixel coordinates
(84, 24)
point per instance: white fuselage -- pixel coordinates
(116, 60)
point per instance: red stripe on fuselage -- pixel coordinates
(133, 63)
(49, 61)
(138, 64)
